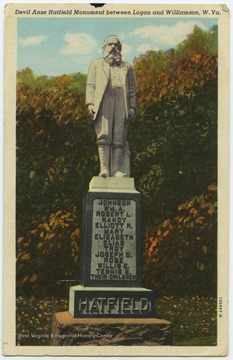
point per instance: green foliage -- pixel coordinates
(199, 42)
(174, 137)
(48, 253)
(181, 256)
(194, 319)
(56, 158)
(34, 320)
(56, 152)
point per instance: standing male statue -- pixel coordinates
(111, 99)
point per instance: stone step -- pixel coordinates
(68, 331)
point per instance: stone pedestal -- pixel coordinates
(111, 307)
(68, 331)
(111, 254)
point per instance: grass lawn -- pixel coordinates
(194, 319)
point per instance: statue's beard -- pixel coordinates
(112, 58)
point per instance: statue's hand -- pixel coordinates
(91, 110)
(131, 113)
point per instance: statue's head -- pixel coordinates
(112, 49)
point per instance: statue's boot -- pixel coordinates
(104, 154)
(117, 156)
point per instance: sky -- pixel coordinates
(60, 46)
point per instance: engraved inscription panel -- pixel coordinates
(113, 252)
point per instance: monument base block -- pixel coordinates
(68, 331)
(111, 302)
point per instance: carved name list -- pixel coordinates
(113, 253)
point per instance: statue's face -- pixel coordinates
(112, 46)
(112, 51)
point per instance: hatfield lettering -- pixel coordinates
(113, 305)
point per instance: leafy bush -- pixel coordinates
(49, 253)
(56, 158)
(181, 256)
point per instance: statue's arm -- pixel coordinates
(132, 94)
(90, 84)
(132, 90)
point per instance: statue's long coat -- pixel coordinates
(97, 81)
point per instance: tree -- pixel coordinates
(174, 137)
(56, 158)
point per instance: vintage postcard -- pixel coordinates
(116, 179)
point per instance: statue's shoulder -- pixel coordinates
(94, 66)
(127, 65)
(97, 61)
